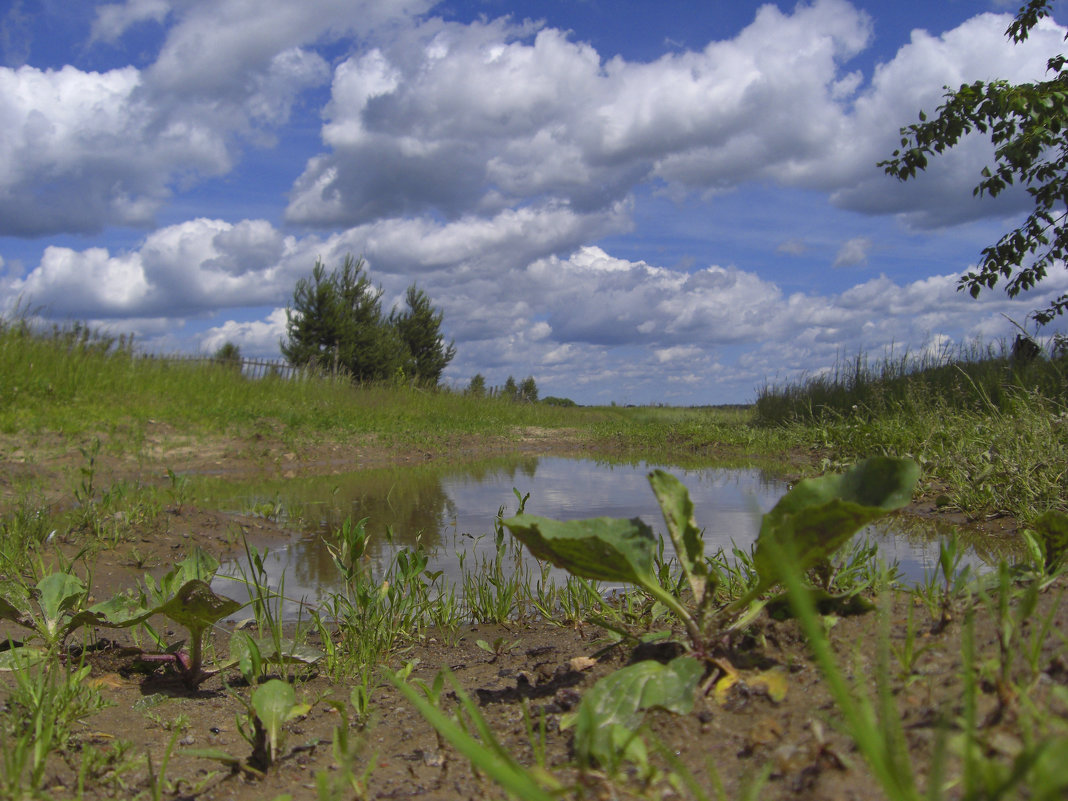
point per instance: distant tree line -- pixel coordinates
(336, 323)
(526, 391)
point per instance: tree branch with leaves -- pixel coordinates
(1028, 125)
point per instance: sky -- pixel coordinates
(635, 201)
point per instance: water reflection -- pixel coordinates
(451, 512)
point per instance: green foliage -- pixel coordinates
(607, 720)
(273, 704)
(228, 352)
(974, 378)
(1051, 530)
(528, 390)
(1028, 125)
(42, 711)
(510, 391)
(185, 596)
(477, 387)
(336, 324)
(816, 517)
(419, 327)
(485, 752)
(60, 600)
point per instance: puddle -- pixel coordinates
(451, 512)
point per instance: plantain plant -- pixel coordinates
(813, 520)
(816, 517)
(185, 596)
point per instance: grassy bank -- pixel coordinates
(76, 383)
(990, 431)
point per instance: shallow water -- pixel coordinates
(451, 512)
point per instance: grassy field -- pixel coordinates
(990, 432)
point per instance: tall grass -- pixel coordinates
(975, 377)
(75, 382)
(990, 430)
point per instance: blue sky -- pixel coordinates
(632, 201)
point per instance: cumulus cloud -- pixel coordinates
(254, 337)
(460, 119)
(454, 120)
(185, 269)
(81, 150)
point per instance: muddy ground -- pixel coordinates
(796, 741)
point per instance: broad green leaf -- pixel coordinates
(275, 703)
(675, 503)
(622, 698)
(246, 654)
(121, 611)
(198, 565)
(57, 593)
(196, 606)
(1052, 530)
(8, 611)
(601, 548)
(819, 515)
(244, 649)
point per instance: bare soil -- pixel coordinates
(730, 739)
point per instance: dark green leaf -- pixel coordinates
(1052, 531)
(819, 515)
(196, 606)
(622, 698)
(601, 548)
(677, 508)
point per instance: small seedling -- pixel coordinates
(273, 704)
(611, 712)
(499, 648)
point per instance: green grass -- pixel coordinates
(975, 378)
(80, 385)
(991, 432)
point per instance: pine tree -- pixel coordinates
(336, 323)
(419, 328)
(528, 390)
(510, 390)
(477, 387)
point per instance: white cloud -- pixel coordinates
(187, 269)
(470, 119)
(853, 253)
(255, 338)
(793, 247)
(82, 150)
(113, 19)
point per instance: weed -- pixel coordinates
(44, 706)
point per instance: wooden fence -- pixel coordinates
(250, 368)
